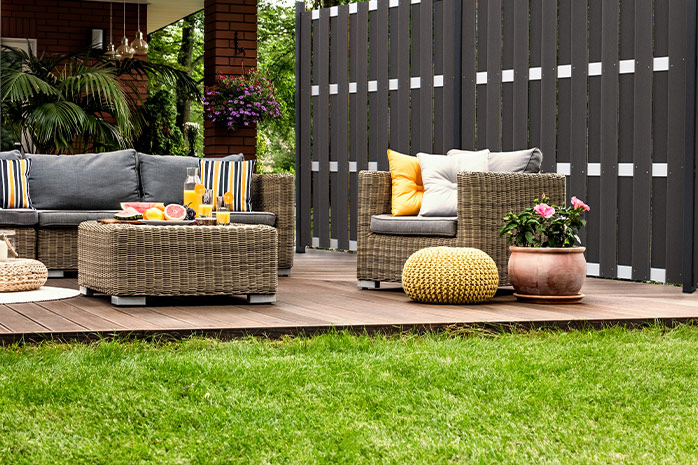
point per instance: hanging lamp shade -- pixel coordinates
(125, 50)
(111, 50)
(139, 44)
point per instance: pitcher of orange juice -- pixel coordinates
(192, 198)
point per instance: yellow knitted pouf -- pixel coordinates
(450, 275)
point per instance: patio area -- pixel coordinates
(321, 295)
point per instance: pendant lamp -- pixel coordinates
(140, 46)
(111, 50)
(125, 50)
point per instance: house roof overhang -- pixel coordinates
(164, 12)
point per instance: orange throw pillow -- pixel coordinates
(408, 189)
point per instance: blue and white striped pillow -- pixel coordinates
(230, 176)
(14, 183)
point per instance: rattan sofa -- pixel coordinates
(50, 234)
(483, 200)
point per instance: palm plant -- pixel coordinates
(73, 102)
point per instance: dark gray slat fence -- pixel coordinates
(304, 150)
(341, 125)
(507, 111)
(593, 144)
(401, 141)
(380, 142)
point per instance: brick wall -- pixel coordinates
(223, 19)
(65, 26)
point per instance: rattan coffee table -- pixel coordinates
(132, 262)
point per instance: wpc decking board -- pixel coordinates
(322, 294)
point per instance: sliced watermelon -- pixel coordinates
(141, 207)
(128, 213)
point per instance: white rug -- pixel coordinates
(39, 295)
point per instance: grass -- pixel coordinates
(581, 397)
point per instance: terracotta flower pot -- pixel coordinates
(547, 275)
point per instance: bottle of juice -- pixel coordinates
(191, 198)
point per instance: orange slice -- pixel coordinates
(228, 197)
(200, 189)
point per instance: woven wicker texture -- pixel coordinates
(25, 240)
(22, 274)
(133, 260)
(483, 200)
(275, 193)
(57, 248)
(450, 275)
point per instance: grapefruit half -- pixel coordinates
(174, 212)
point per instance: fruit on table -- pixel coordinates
(175, 212)
(128, 213)
(141, 207)
(191, 213)
(153, 214)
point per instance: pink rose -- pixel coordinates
(544, 210)
(579, 204)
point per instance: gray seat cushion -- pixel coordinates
(162, 176)
(18, 216)
(70, 218)
(10, 155)
(266, 218)
(414, 225)
(95, 181)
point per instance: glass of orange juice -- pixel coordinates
(206, 206)
(223, 216)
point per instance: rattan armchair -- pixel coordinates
(483, 200)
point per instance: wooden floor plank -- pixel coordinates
(322, 292)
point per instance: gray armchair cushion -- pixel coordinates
(18, 216)
(162, 176)
(10, 155)
(414, 225)
(95, 181)
(71, 218)
(266, 218)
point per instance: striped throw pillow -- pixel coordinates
(230, 176)
(14, 180)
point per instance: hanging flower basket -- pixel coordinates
(236, 102)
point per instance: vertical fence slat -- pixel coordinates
(322, 219)
(315, 25)
(676, 102)
(520, 104)
(341, 219)
(507, 110)
(426, 73)
(548, 84)
(415, 107)
(333, 116)
(494, 74)
(450, 126)
(642, 141)
(609, 139)
(467, 81)
(381, 140)
(353, 118)
(578, 105)
(437, 70)
(303, 231)
(393, 66)
(360, 43)
(534, 86)
(402, 140)
(481, 90)
(564, 84)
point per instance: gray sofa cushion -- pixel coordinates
(162, 176)
(18, 216)
(10, 155)
(95, 181)
(71, 218)
(266, 218)
(520, 161)
(414, 225)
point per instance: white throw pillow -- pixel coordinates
(519, 161)
(440, 178)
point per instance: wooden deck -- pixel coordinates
(322, 294)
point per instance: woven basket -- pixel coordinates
(450, 275)
(22, 274)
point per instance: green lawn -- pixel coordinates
(611, 396)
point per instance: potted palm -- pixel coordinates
(546, 264)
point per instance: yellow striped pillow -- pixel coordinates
(14, 180)
(230, 176)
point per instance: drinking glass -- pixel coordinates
(223, 216)
(206, 207)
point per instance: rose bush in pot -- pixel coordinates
(546, 265)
